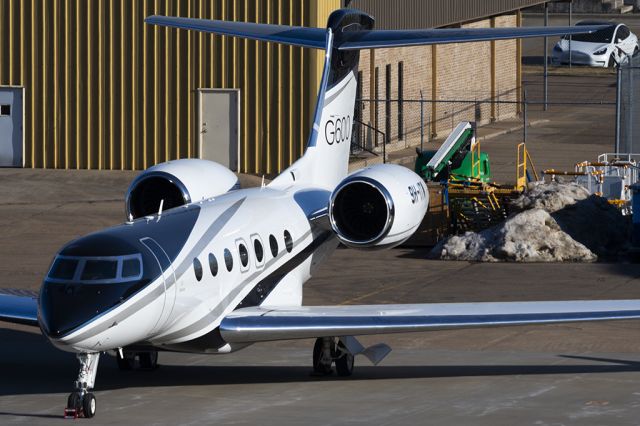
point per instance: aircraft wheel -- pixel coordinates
(344, 361)
(89, 405)
(125, 363)
(320, 366)
(148, 360)
(74, 402)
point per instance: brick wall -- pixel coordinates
(463, 72)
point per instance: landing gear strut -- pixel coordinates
(326, 352)
(81, 402)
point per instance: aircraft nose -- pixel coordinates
(65, 307)
(80, 289)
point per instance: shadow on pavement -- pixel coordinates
(43, 369)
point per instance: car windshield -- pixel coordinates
(601, 36)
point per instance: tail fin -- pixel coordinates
(326, 160)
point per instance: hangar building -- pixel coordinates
(88, 85)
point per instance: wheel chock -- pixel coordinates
(71, 413)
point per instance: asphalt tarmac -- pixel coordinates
(585, 374)
(570, 374)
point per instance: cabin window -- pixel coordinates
(197, 268)
(273, 244)
(288, 241)
(244, 255)
(228, 259)
(257, 248)
(213, 264)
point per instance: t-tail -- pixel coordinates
(325, 162)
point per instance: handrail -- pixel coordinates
(533, 167)
(521, 164)
(384, 138)
(475, 159)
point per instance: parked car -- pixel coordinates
(607, 47)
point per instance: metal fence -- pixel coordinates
(628, 107)
(399, 124)
(395, 124)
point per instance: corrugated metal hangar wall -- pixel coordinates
(405, 14)
(105, 91)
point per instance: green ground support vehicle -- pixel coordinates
(459, 158)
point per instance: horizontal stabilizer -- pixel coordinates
(398, 38)
(366, 39)
(297, 36)
(275, 323)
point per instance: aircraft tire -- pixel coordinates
(89, 405)
(344, 361)
(74, 401)
(148, 360)
(125, 364)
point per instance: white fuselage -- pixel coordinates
(178, 307)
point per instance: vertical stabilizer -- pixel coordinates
(326, 160)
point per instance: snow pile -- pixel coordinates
(550, 197)
(557, 223)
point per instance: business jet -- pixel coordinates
(203, 266)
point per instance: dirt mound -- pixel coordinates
(557, 223)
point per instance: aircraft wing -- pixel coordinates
(283, 323)
(19, 306)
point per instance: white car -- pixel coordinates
(604, 48)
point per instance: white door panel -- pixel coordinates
(219, 126)
(11, 114)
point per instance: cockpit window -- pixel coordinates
(63, 268)
(131, 268)
(99, 270)
(112, 269)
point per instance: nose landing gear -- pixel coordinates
(81, 402)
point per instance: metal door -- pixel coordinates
(11, 115)
(219, 126)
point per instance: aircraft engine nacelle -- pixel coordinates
(380, 206)
(178, 183)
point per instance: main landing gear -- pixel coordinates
(81, 402)
(128, 360)
(326, 352)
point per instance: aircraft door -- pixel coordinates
(169, 280)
